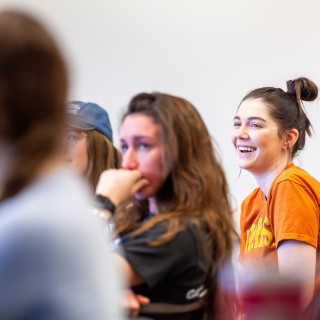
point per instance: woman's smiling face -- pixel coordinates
(256, 138)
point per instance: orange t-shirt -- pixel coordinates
(291, 212)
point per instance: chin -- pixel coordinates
(244, 165)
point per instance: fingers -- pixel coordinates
(131, 303)
(139, 185)
(142, 299)
(120, 184)
(136, 174)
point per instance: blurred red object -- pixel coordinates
(271, 297)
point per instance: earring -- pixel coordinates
(287, 147)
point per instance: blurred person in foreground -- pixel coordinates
(54, 263)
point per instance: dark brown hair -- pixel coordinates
(33, 85)
(286, 108)
(196, 186)
(102, 155)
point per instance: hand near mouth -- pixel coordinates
(120, 184)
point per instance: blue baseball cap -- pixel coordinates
(89, 116)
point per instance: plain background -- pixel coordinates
(209, 52)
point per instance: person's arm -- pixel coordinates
(131, 301)
(118, 185)
(132, 276)
(298, 259)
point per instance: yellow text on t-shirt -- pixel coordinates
(259, 235)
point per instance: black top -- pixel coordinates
(175, 272)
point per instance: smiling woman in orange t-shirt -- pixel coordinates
(280, 219)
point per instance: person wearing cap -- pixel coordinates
(89, 140)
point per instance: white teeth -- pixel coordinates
(247, 149)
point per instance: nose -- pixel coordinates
(242, 132)
(129, 160)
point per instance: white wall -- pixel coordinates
(209, 52)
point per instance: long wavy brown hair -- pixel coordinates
(102, 155)
(33, 86)
(196, 185)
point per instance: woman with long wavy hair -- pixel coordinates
(177, 232)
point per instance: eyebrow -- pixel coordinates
(137, 138)
(250, 118)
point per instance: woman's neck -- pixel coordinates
(266, 178)
(153, 207)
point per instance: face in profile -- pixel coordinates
(76, 149)
(143, 149)
(256, 139)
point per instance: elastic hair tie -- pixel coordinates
(290, 86)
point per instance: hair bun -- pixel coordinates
(303, 88)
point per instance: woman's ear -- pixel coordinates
(291, 138)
